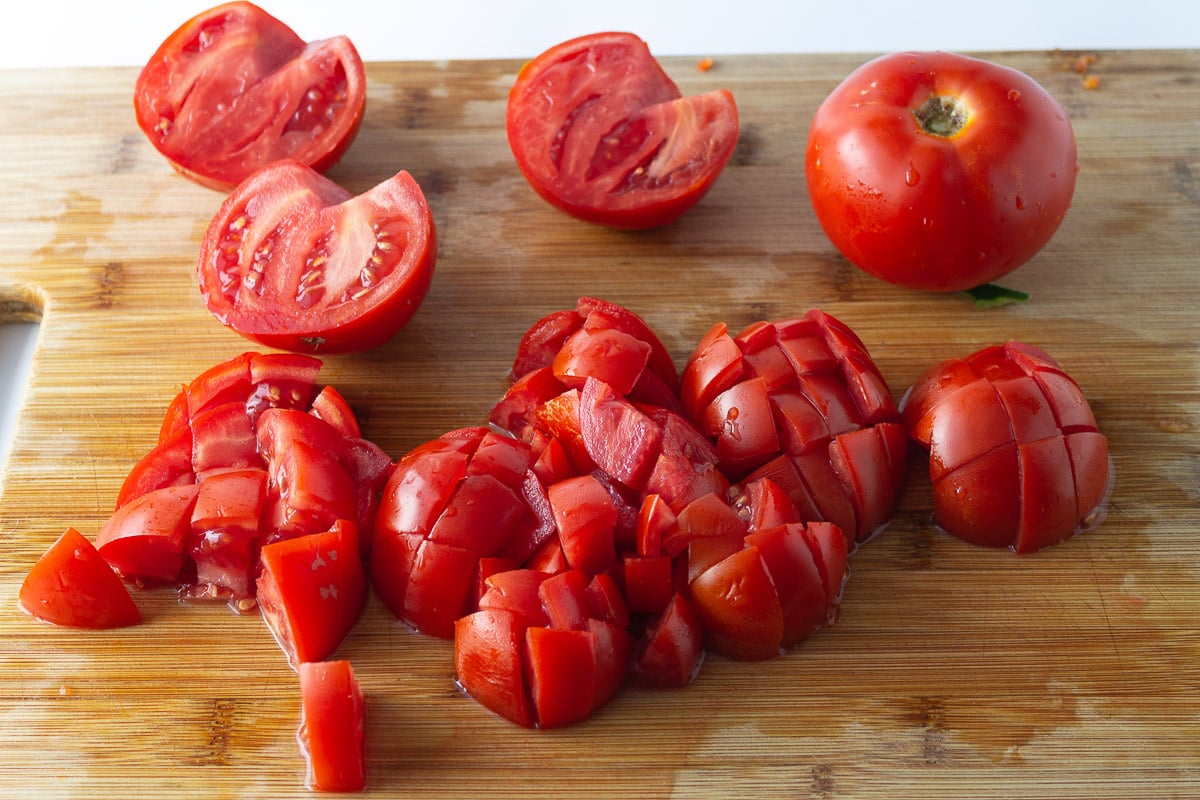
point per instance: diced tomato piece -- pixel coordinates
(312, 591)
(71, 584)
(333, 727)
(670, 652)
(145, 539)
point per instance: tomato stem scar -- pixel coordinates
(943, 116)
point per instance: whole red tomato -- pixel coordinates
(940, 172)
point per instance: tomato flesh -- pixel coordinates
(601, 132)
(1016, 457)
(294, 261)
(234, 89)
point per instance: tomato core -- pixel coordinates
(941, 115)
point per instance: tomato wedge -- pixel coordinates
(294, 261)
(601, 132)
(332, 732)
(72, 585)
(234, 89)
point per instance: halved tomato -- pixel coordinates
(233, 89)
(294, 261)
(600, 131)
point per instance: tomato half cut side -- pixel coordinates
(295, 262)
(332, 732)
(601, 132)
(72, 585)
(234, 89)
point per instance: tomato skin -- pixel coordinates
(293, 261)
(935, 212)
(332, 730)
(602, 133)
(72, 585)
(1016, 457)
(233, 89)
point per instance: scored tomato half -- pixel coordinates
(449, 504)
(234, 89)
(332, 732)
(801, 401)
(71, 584)
(294, 261)
(601, 132)
(1015, 454)
(544, 650)
(940, 172)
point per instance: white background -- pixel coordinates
(54, 33)
(125, 32)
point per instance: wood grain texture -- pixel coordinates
(952, 672)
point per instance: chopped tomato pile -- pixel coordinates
(612, 524)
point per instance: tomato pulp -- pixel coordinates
(601, 132)
(940, 172)
(233, 89)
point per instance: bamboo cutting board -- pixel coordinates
(952, 672)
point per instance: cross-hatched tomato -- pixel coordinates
(449, 503)
(296, 262)
(1015, 455)
(800, 401)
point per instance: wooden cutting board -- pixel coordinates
(953, 671)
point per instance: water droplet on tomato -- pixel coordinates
(911, 176)
(1020, 203)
